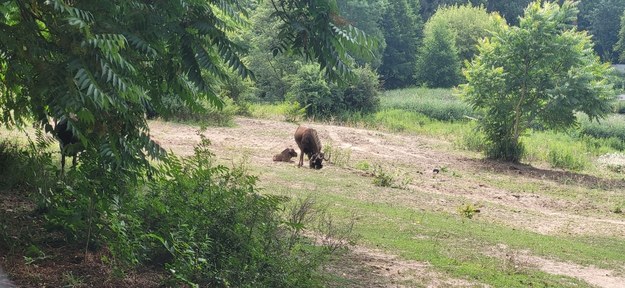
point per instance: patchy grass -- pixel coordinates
(452, 244)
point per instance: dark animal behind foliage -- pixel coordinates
(308, 142)
(68, 142)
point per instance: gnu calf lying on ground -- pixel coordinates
(309, 144)
(285, 155)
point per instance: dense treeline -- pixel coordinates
(424, 42)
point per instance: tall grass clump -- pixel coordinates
(560, 150)
(439, 104)
(612, 126)
(471, 139)
(29, 166)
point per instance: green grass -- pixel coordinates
(450, 243)
(613, 126)
(439, 104)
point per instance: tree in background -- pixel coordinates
(469, 24)
(97, 63)
(402, 30)
(604, 26)
(542, 71)
(619, 47)
(429, 7)
(366, 15)
(585, 12)
(510, 10)
(438, 64)
(270, 70)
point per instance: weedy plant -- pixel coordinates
(468, 210)
(382, 178)
(339, 157)
(363, 165)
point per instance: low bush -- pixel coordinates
(203, 223)
(324, 99)
(211, 227)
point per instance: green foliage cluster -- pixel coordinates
(382, 178)
(211, 227)
(450, 37)
(540, 72)
(203, 223)
(438, 63)
(323, 99)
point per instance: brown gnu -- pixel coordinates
(309, 144)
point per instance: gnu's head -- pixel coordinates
(316, 160)
(291, 152)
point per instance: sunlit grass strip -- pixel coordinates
(439, 104)
(449, 242)
(613, 126)
(460, 248)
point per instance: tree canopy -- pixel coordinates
(101, 63)
(402, 31)
(543, 71)
(438, 64)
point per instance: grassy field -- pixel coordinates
(568, 219)
(427, 209)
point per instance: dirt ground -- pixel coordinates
(467, 178)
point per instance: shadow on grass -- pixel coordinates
(557, 176)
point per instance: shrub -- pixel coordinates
(310, 88)
(204, 223)
(382, 178)
(324, 99)
(210, 227)
(361, 94)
